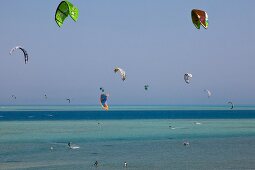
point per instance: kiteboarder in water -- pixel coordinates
(69, 144)
(96, 164)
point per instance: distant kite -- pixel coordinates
(69, 100)
(23, 50)
(232, 105)
(146, 87)
(208, 93)
(187, 77)
(199, 17)
(101, 89)
(14, 97)
(64, 9)
(121, 71)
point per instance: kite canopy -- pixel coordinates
(208, 92)
(14, 97)
(103, 101)
(199, 17)
(64, 9)
(23, 50)
(187, 77)
(146, 87)
(232, 105)
(102, 89)
(121, 71)
(69, 100)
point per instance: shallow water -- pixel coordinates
(143, 143)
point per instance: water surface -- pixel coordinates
(145, 138)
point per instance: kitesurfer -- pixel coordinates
(186, 143)
(96, 164)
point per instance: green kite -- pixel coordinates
(64, 9)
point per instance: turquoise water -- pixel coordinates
(146, 137)
(143, 143)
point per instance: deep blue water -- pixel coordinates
(140, 114)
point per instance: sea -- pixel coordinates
(145, 137)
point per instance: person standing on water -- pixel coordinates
(69, 144)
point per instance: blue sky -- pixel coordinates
(154, 41)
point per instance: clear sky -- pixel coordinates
(154, 41)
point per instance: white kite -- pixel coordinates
(208, 92)
(187, 77)
(23, 50)
(121, 71)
